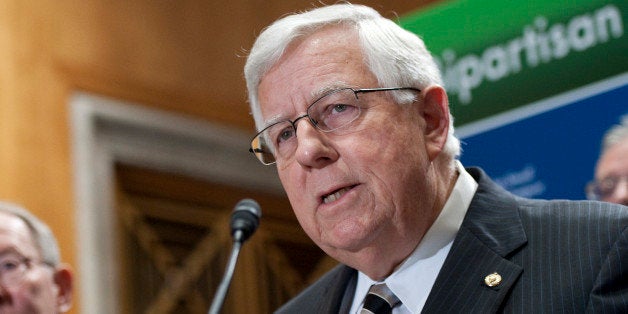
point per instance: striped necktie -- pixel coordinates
(379, 300)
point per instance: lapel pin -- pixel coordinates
(493, 279)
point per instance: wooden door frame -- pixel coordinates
(107, 131)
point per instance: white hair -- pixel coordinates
(43, 238)
(615, 134)
(395, 56)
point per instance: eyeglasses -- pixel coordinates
(603, 189)
(328, 113)
(13, 267)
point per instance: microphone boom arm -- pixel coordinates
(221, 293)
(244, 222)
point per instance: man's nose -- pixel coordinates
(620, 195)
(313, 147)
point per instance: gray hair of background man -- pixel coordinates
(42, 236)
(394, 55)
(615, 134)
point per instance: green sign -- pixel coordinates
(498, 55)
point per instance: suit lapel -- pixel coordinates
(339, 290)
(490, 232)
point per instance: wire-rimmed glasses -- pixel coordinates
(328, 113)
(13, 268)
(603, 189)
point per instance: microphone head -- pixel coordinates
(245, 218)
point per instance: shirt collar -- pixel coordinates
(423, 265)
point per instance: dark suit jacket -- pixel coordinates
(553, 256)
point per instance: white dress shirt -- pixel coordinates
(412, 281)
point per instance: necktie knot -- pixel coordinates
(379, 300)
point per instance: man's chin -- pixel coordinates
(343, 245)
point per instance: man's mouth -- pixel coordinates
(336, 194)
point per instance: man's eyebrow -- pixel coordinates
(274, 119)
(8, 251)
(328, 88)
(314, 95)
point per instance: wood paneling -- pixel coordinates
(174, 232)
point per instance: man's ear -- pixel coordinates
(435, 112)
(63, 278)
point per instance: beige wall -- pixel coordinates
(180, 56)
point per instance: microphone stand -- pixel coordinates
(219, 297)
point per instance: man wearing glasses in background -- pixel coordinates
(352, 113)
(32, 279)
(611, 172)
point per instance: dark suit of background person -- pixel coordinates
(353, 113)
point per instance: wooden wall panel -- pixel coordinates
(34, 134)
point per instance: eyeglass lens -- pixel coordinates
(327, 114)
(12, 269)
(604, 188)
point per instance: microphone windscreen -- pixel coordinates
(245, 218)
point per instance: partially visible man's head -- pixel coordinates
(373, 184)
(611, 172)
(395, 56)
(32, 279)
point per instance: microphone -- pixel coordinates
(244, 221)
